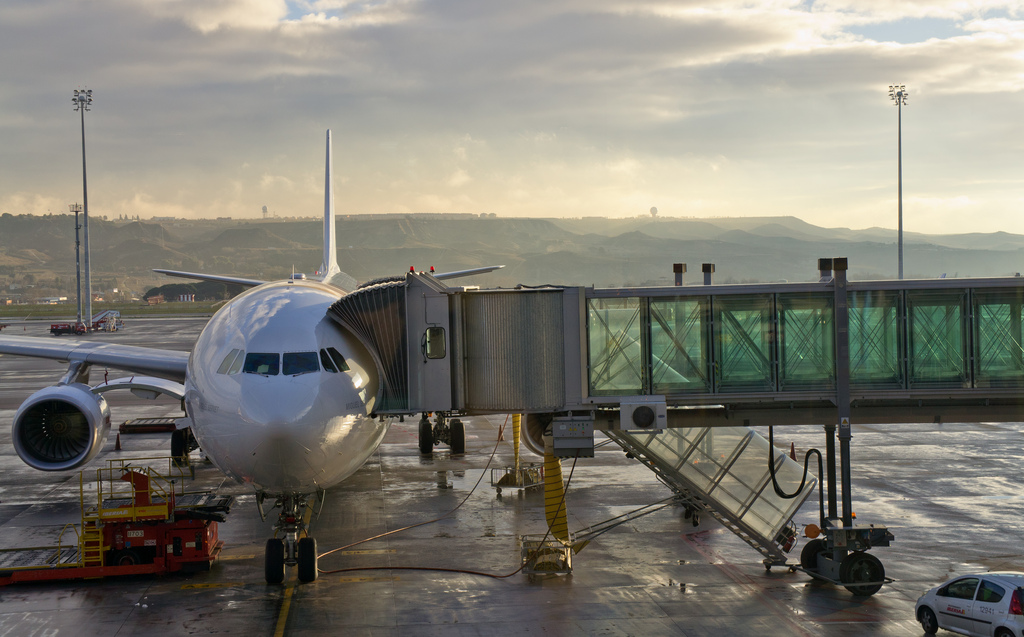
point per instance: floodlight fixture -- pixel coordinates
(898, 94)
(82, 99)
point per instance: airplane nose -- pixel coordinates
(279, 409)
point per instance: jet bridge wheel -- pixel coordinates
(307, 559)
(426, 436)
(861, 567)
(274, 561)
(457, 436)
(809, 554)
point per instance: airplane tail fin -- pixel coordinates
(330, 264)
(329, 271)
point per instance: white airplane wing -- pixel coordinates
(163, 363)
(460, 273)
(213, 277)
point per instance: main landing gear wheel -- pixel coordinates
(181, 445)
(861, 567)
(307, 559)
(809, 554)
(426, 436)
(457, 436)
(274, 561)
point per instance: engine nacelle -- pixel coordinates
(533, 432)
(61, 427)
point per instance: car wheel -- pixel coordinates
(1004, 632)
(929, 624)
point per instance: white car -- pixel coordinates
(985, 605)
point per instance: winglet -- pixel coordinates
(329, 268)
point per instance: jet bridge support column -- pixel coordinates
(842, 322)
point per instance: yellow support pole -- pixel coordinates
(554, 497)
(517, 420)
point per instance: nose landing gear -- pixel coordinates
(296, 547)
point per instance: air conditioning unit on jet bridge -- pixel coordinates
(642, 413)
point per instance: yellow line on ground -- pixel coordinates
(369, 552)
(282, 617)
(237, 557)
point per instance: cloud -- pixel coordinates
(583, 107)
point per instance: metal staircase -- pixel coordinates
(723, 472)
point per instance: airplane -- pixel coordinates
(278, 396)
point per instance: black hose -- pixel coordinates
(803, 480)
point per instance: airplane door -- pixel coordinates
(430, 348)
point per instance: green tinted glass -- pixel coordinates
(616, 359)
(875, 339)
(679, 345)
(743, 343)
(807, 341)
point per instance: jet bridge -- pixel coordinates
(687, 361)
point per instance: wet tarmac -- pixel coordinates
(950, 493)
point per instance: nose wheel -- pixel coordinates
(296, 547)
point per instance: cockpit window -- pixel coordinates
(261, 363)
(228, 360)
(300, 363)
(326, 362)
(237, 365)
(338, 359)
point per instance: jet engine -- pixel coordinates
(61, 427)
(533, 432)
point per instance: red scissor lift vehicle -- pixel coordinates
(142, 522)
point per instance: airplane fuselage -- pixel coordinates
(279, 396)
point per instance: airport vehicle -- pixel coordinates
(106, 321)
(137, 521)
(982, 605)
(60, 329)
(278, 395)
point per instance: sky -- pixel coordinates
(531, 108)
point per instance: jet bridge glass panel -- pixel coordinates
(937, 339)
(875, 339)
(616, 359)
(744, 342)
(807, 352)
(679, 345)
(998, 338)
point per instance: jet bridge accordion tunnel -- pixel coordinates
(542, 351)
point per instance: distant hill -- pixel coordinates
(39, 250)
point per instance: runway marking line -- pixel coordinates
(282, 616)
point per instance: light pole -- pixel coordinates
(82, 99)
(76, 208)
(898, 93)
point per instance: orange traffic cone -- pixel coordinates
(792, 450)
